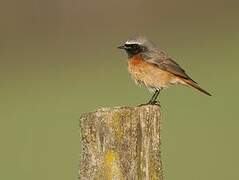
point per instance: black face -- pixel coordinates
(133, 49)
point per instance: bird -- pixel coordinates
(153, 68)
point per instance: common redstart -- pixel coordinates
(154, 68)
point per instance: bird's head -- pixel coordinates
(137, 45)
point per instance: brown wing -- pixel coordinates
(171, 66)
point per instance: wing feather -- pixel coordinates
(168, 64)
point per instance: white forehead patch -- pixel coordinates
(132, 42)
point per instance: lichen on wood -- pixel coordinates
(121, 143)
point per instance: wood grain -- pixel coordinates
(121, 143)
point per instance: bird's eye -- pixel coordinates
(135, 46)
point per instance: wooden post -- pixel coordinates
(121, 143)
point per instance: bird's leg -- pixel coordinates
(153, 100)
(153, 97)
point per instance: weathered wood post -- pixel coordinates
(121, 143)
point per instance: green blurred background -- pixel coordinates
(59, 60)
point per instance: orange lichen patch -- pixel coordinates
(150, 75)
(117, 124)
(111, 166)
(154, 172)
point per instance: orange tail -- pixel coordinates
(196, 86)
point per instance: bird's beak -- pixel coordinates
(122, 47)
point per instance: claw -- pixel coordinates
(144, 104)
(157, 103)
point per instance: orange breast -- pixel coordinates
(150, 75)
(136, 61)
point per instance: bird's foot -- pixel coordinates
(157, 103)
(144, 104)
